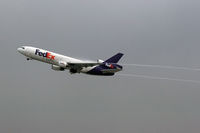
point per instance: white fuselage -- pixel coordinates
(50, 57)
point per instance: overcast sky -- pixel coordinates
(36, 99)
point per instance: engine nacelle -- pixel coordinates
(100, 61)
(62, 64)
(57, 68)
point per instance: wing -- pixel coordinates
(83, 64)
(78, 66)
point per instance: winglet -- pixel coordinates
(115, 58)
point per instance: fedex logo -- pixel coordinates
(110, 65)
(47, 54)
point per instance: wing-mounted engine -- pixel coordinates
(57, 68)
(100, 61)
(62, 64)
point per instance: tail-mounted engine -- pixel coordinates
(100, 61)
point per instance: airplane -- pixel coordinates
(60, 62)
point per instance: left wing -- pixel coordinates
(83, 64)
(78, 66)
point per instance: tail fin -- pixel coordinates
(115, 58)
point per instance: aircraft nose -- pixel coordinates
(19, 50)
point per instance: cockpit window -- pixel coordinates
(23, 47)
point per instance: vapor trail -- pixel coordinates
(166, 67)
(159, 78)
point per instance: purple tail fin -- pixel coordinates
(115, 58)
